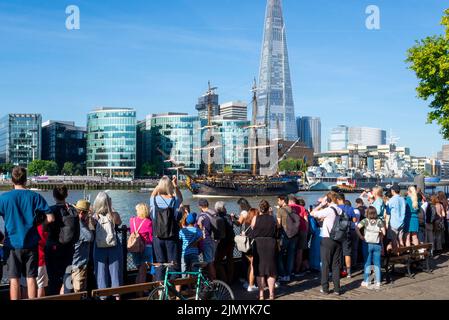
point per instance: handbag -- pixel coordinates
(135, 242)
(243, 242)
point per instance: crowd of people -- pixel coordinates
(59, 249)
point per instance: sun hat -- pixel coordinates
(83, 205)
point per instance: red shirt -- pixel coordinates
(302, 212)
(42, 241)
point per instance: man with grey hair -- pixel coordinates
(225, 249)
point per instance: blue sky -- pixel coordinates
(157, 56)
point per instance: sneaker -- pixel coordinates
(349, 276)
(324, 292)
(337, 293)
(365, 284)
(252, 289)
(377, 286)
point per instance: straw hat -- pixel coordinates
(83, 205)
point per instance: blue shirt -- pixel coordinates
(396, 211)
(82, 246)
(190, 235)
(21, 210)
(380, 207)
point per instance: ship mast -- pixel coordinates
(209, 93)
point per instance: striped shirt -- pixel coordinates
(189, 236)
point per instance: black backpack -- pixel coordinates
(341, 227)
(293, 222)
(217, 226)
(70, 226)
(165, 226)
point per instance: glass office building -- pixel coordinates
(177, 135)
(20, 138)
(233, 139)
(111, 143)
(309, 131)
(275, 94)
(339, 138)
(63, 142)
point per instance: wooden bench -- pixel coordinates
(137, 288)
(131, 289)
(408, 256)
(65, 297)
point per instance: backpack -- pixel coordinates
(372, 232)
(105, 234)
(217, 225)
(431, 213)
(341, 227)
(243, 242)
(293, 222)
(229, 229)
(165, 226)
(135, 242)
(70, 227)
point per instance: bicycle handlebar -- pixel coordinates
(170, 264)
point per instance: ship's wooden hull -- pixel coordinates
(245, 188)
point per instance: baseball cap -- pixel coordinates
(191, 218)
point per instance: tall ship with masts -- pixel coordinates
(263, 180)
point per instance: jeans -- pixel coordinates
(373, 259)
(108, 264)
(288, 249)
(331, 254)
(165, 251)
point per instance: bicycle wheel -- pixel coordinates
(216, 290)
(158, 294)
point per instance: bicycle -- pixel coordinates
(205, 289)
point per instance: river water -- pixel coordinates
(124, 202)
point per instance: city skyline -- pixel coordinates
(135, 55)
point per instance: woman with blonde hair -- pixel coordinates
(108, 257)
(411, 221)
(165, 202)
(142, 226)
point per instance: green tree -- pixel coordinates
(293, 165)
(429, 59)
(41, 167)
(150, 169)
(6, 168)
(68, 168)
(228, 170)
(79, 169)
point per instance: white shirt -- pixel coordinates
(329, 218)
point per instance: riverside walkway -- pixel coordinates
(434, 286)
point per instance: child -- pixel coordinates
(190, 235)
(374, 230)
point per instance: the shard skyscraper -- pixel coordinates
(275, 97)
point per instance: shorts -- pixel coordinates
(42, 277)
(394, 235)
(187, 263)
(79, 278)
(22, 262)
(302, 241)
(346, 245)
(209, 250)
(139, 258)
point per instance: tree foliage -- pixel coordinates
(41, 167)
(150, 169)
(68, 168)
(6, 168)
(293, 165)
(429, 59)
